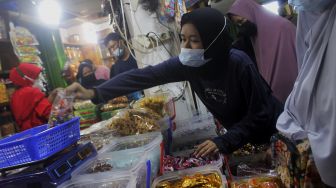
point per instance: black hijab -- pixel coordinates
(89, 81)
(209, 23)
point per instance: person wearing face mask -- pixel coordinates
(124, 60)
(28, 103)
(273, 41)
(87, 75)
(225, 79)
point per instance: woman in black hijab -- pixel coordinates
(225, 79)
(86, 75)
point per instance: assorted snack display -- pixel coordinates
(113, 106)
(87, 111)
(62, 109)
(132, 139)
(132, 121)
(172, 164)
(83, 105)
(31, 59)
(250, 149)
(3, 92)
(154, 103)
(27, 50)
(198, 180)
(257, 182)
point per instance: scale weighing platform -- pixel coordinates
(50, 172)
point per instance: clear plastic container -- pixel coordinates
(95, 127)
(116, 180)
(216, 164)
(175, 176)
(117, 161)
(193, 131)
(132, 163)
(147, 144)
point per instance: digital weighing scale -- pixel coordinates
(50, 172)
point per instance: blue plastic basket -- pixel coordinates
(37, 143)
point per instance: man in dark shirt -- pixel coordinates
(125, 61)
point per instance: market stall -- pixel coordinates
(139, 147)
(150, 142)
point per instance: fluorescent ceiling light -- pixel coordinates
(50, 12)
(90, 34)
(272, 6)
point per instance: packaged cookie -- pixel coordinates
(62, 109)
(154, 103)
(132, 121)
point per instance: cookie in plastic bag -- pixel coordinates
(62, 109)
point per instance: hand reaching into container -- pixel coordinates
(80, 92)
(206, 148)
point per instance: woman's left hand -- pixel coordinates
(206, 148)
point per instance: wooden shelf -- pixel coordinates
(73, 44)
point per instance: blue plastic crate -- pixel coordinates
(37, 143)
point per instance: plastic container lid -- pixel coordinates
(194, 130)
(174, 176)
(198, 122)
(121, 180)
(148, 144)
(94, 127)
(140, 142)
(124, 163)
(120, 161)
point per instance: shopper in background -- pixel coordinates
(124, 60)
(29, 104)
(273, 39)
(68, 74)
(310, 111)
(89, 76)
(225, 79)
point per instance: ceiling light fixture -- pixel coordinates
(50, 12)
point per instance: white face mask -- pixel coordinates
(38, 83)
(119, 52)
(195, 57)
(192, 57)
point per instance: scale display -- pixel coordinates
(52, 172)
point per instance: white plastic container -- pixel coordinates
(114, 180)
(193, 131)
(147, 144)
(175, 176)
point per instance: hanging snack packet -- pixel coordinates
(62, 109)
(153, 103)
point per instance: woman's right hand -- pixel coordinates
(80, 92)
